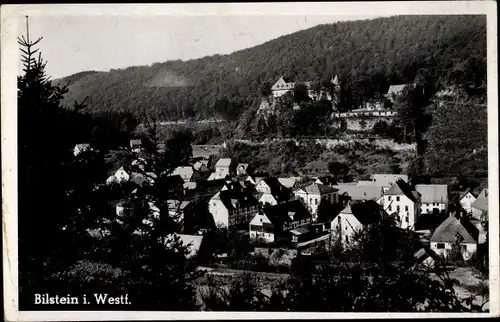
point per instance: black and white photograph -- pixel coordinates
(249, 158)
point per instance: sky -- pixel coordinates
(77, 43)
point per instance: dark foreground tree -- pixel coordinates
(63, 203)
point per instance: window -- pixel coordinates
(315, 201)
(345, 227)
(390, 198)
(406, 208)
(397, 198)
(260, 219)
(463, 248)
(407, 219)
(440, 245)
(346, 239)
(390, 208)
(397, 208)
(310, 200)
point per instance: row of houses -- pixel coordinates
(294, 210)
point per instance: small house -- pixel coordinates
(354, 218)
(434, 197)
(454, 231)
(223, 168)
(404, 202)
(466, 199)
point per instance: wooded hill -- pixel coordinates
(368, 56)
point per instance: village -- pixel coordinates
(280, 218)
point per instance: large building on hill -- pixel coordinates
(282, 86)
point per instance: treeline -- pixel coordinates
(367, 55)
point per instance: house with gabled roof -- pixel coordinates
(272, 191)
(466, 200)
(454, 231)
(223, 168)
(275, 221)
(480, 206)
(404, 202)
(434, 197)
(354, 218)
(314, 194)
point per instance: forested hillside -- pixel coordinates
(368, 56)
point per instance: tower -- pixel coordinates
(335, 92)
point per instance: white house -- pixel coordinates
(434, 197)
(402, 200)
(480, 206)
(386, 180)
(313, 194)
(453, 231)
(241, 169)
(466, 200)
(353, 218)
(223, 168)
(79, 148)
(281, 87)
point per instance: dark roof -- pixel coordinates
(449, 228)
(243, 198)
(400, 187)
(366, 213)
(280, 213)
(279, 191)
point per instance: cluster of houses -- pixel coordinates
(293, 211)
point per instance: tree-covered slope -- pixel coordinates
(368, 55)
